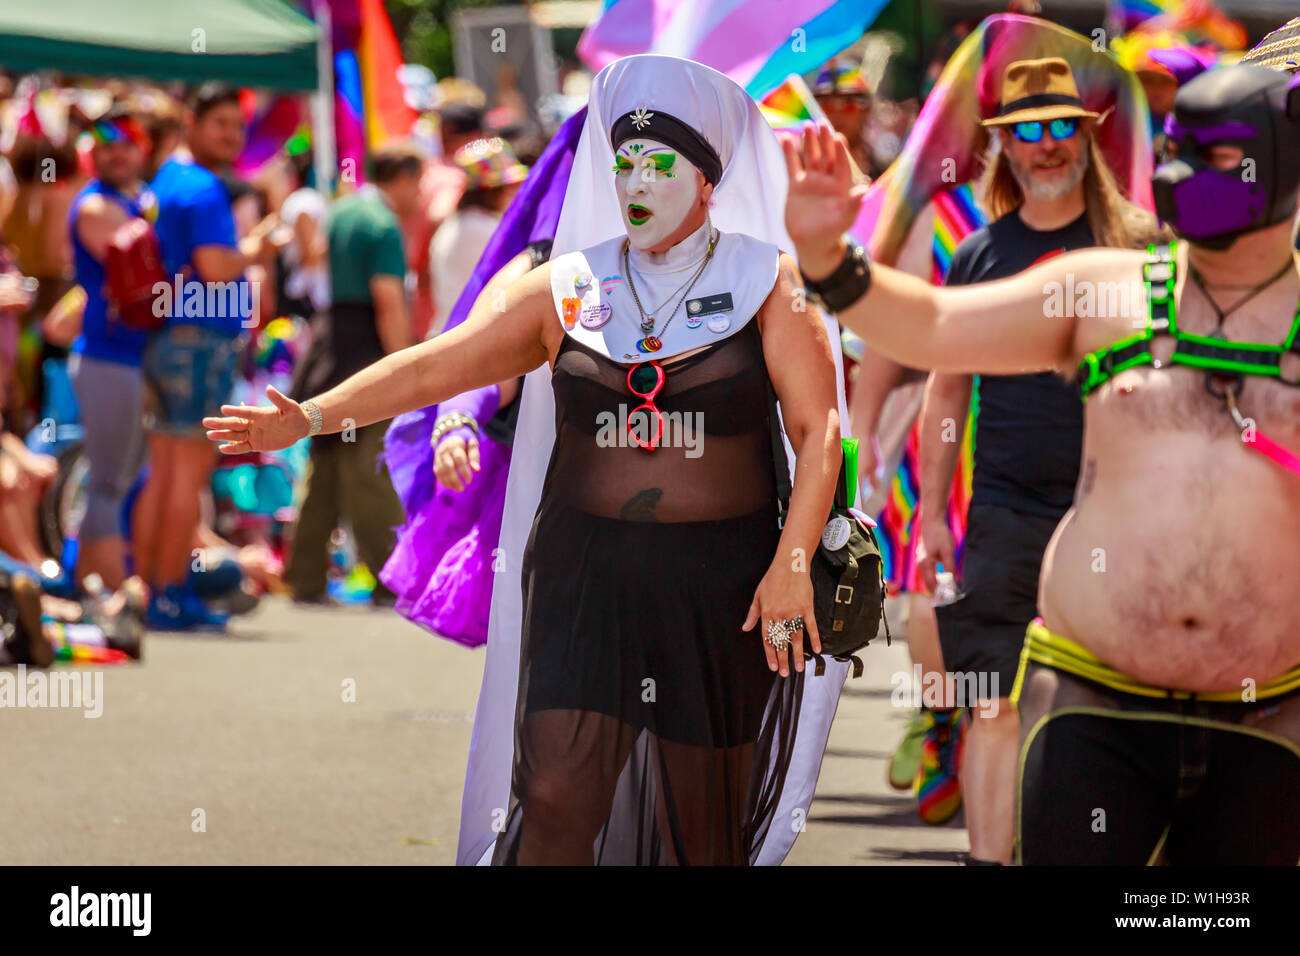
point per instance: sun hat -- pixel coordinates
(1038, 90)
(489, 163)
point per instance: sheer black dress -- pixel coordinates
(649, 729)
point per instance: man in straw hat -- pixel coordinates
(1048, 190)
(1154, 718)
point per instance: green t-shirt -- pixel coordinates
(365, 241)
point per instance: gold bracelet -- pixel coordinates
(449, 422)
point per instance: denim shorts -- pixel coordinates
(191, 372)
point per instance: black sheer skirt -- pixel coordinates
(649, 729)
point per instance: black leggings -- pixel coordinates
(1118, 779)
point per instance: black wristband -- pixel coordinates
(848, 283)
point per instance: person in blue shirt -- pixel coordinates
(189, 364)
(105, 363)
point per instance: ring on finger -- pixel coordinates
(780, 631)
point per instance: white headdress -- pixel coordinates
(748, 199)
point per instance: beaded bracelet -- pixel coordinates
(450, 421)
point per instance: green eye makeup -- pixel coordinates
(664, 162)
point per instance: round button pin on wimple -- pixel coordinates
(693, 321)
(719, 324)
(595, 316)
(582, 282)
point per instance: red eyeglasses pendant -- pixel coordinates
(649, 404)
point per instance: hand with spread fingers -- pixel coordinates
(245, 428)
(823, 201)
(783, 604)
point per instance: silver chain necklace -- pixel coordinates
(648, 321)
(668, 297)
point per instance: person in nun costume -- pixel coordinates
(640, 704)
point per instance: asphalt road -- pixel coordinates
(339, 736)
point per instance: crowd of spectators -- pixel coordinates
(111, 515)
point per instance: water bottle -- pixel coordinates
(945, 587)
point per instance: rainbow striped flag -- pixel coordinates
(956, 216)
(1195, 28)
(349, 113)
(758, 43)
(370, 108)
(1199, 22)
(790, 105)
(388, 117)
(1132, 12)
(280, 125)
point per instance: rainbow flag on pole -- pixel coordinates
(956, 216)
(370, 108)
(790, 105)
(758, 43)
(388, 117)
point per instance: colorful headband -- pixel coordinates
(841, 81)
(121, 129)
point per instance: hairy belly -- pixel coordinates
(1180, 564)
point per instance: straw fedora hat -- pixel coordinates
(1038, 90)
(1280, 49)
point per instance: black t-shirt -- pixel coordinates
(1029, 434)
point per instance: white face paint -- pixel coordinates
(657, 187)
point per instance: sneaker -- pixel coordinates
(125, 628)
(225, 576)
(178, 610)
(937, 789)
(196, 607)
(234, 603)
(907, 756)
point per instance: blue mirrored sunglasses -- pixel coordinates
(1032, 132)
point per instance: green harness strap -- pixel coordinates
(1196, 351)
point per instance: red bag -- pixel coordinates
(133, 268)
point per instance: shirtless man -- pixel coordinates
(1155, 717)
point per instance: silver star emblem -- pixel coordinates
(641, 119)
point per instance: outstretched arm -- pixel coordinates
(1019, 324)
(488, 347)
(1001, 327)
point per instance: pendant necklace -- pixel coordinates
(652, 342)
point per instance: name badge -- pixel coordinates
(709, 304)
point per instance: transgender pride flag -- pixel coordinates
(758, 43)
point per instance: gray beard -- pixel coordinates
(1033, 188)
